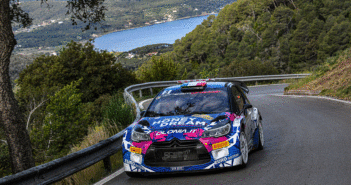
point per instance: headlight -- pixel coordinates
(217, 132)
(140, 136)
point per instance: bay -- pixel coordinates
(167, 32)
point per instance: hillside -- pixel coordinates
(51, 27)
(332, 79)
(252, 37)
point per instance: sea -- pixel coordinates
(166, 32)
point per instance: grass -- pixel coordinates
(342, 93)
(332, 78)
(95, 172)
(117, 116)
(316, 73)
(296, 83)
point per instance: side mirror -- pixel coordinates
(246, 106)
(142, 113)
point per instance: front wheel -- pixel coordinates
(244, 149)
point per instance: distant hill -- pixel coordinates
(141, 55)
(51, 27)
(289, 36)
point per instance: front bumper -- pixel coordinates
(176, 156)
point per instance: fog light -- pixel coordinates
(217, 154)
(136, 158)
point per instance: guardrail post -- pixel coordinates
(140, 93)
(151, 91)
(107, 164)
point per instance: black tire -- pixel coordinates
(134, 174)
(260, 136)
(244, 149)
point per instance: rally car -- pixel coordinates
(193, 126)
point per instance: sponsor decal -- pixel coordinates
(204, 116)
(231, 116)
(221, 160)
(176, 131)
(220, 145)
(208, 142)
(143, 145)
(224, 159)
(135, 150)
(179, 122)
(193, 134)
(159, 136)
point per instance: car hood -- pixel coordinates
(181, 127)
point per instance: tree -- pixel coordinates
(97, 68)
(65, 121)
(11, 117)
(158, 69)
(299, 43)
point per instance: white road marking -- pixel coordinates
(142, 102)
(268, 85)
(110, 177)
(319, 97)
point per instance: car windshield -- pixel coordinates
(209, 101)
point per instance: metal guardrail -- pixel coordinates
(149, 85)
(61, 168)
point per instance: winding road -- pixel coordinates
(307, 141)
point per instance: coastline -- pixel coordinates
(51, 49)
(187, 17)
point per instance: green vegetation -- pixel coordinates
(62, 96)
(158, 69)
(63, 107)
(117, 115)
(330, 79)
(18, 63)
(142, 54)
(5, 165)
(80, 89)
(289, 36)
(95, 172)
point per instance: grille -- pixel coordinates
(176, 153)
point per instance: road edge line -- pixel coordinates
(318, 97)
(142, 102)
(110, 177)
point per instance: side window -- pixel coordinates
(246, 100)
(238, 97)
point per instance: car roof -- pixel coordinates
(212, 85)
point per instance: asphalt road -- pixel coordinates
(307, 141)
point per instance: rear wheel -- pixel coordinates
(244, 149)
(134, 174)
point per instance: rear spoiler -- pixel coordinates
(241, 84)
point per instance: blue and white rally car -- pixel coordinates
(194, 126)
